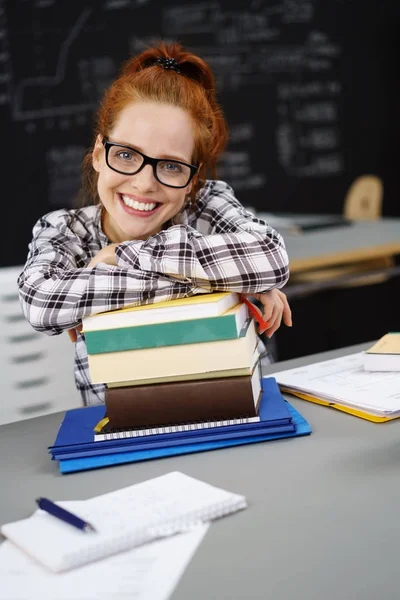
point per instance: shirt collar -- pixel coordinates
(104, 241)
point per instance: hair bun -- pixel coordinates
(189, 65)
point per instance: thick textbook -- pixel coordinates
(193, 307)
(123, 519)
(171, 333)
(343, 382)
(274, 418)
(191, 376)
(175, 360)
(77, 431)
(384, 355)
(184, 401)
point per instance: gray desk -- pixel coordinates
(322, 521)
(361, 241)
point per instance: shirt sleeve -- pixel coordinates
(226, 248)
(57, 290)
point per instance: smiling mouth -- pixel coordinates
(144, 207)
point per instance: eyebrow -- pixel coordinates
(163, 157)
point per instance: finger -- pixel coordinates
(287, 316)
(277, 310)
(287, 313)
(275, 326)
(268, 305)
(274, 317)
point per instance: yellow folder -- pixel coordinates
(351, 411)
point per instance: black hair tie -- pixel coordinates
(168, 63)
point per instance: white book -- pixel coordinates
(124, 519)
(344, 380)
(194, 307)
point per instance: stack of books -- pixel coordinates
(181, 376)
(193, 359)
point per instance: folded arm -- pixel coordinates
(220, 247)
(223, 247)
(57, 291)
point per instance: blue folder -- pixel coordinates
(73, 465)
(77, 429)
(190, 439)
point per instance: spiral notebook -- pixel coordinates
(129, 517)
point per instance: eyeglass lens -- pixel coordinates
(128, 161)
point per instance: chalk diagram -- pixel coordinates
(29, 92)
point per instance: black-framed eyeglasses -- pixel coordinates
(128, 161)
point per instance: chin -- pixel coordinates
(131, 236)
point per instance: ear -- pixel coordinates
(97, 153)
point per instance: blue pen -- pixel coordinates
(63, 515)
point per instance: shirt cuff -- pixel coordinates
(127, 254)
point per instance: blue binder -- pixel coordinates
(73, 465)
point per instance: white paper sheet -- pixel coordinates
(140, 513)
(344, 379)
(150, 572)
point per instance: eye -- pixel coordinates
(125, 155)
(172, 167)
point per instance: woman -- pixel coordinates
(158, 229)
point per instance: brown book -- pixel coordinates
(184, 401)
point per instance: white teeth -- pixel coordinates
(138, 205)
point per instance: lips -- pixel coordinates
(133, 206)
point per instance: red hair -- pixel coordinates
(193, 90)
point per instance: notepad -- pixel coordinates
(123, 519)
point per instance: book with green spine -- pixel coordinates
(171, 333)
(186, 359)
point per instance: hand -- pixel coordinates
(105, 255)
(275, 308)
(73, 336)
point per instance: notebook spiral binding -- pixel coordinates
(137, 537)
(131, 432)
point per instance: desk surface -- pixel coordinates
(322, 516)
(362, 240)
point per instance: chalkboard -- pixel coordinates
(309, 89)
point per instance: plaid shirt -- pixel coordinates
(217, 246)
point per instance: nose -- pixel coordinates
(144, 181)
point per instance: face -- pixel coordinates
(137, 206)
